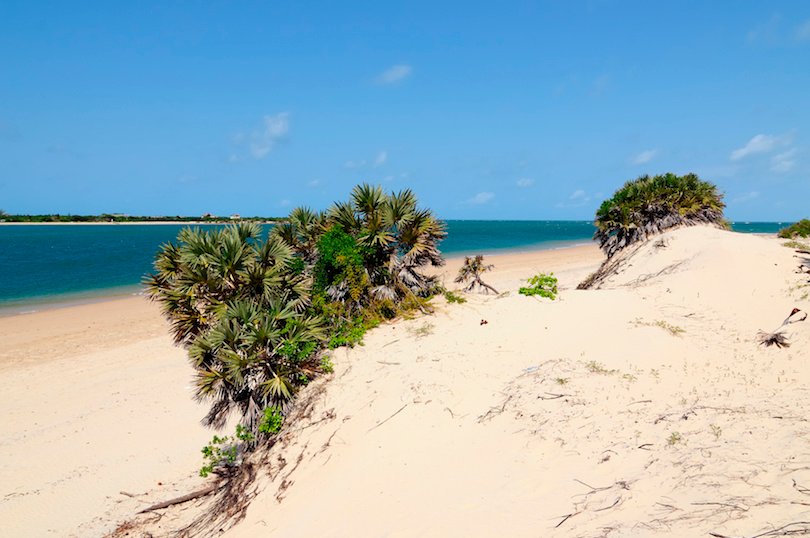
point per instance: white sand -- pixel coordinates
(584, 416)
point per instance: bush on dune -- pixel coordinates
(650, 205)
(797, 229)
(647, 206)
(255, 315)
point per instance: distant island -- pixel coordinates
(106, 218)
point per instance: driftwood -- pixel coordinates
(184, 498)
(389, 418)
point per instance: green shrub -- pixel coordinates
(327, 366)
(650, 205)
(225, 452)
(543, 285)
(271, 421)
(797, 229)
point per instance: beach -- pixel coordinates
(643, 408)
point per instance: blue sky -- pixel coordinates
(524, 110)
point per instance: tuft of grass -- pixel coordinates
(674, 330)
(454, 297)
(796, 245)
(674, 438)
(597, 368)
(716, 430)
(562, 380)
(424, 330)
(629, 377)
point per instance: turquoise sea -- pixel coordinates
(44, 264)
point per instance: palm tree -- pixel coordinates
(650, 205)
(471, 272)
(235, 305)
(301, 231)
(397, 238)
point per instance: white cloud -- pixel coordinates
(394, 74)
(480, 198)
(784, 162)
(578, 198)
(761, 143)
(747, 197)
(525, 182)
(351, 165)
(644, 157)
(314, 183)
(380, 159)
(275, 128)
(767, 32)
(803, 31)
(578, 194)
(285, 203)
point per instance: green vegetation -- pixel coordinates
(454, 297)
(598, 368)
(674, 438)
(257, 315)
(423, 330)
(797, 245)
(223, 453)
(272, 420)
(650, 205)
(674, 330)
(327, 366)
(543, 285)
(471, 272)
(797, 229)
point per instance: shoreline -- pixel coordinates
(19, 307)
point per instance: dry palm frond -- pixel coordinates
(777, 338)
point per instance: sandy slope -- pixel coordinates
(95, 401)
(645, 408)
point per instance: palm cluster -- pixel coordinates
(246, 310)
(233, 302)
(397, 240)
(650, 205)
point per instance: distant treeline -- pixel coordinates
(109, 217)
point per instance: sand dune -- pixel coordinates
(644, 408)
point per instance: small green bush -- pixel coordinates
(797, 229)
(223, 452)
(327, 366)
(543, 285)
(271, 421)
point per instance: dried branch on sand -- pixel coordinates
(471, 272)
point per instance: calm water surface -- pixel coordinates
(45, 264)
